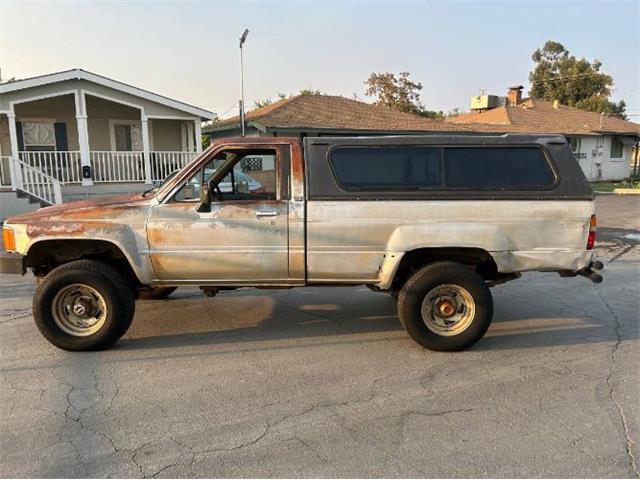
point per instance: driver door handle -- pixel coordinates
(266, 213)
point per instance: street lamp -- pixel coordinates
(242, 40)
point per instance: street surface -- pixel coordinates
(323, 382)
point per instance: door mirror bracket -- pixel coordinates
(205, 199)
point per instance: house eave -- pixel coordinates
(271, 129)
(79, 74)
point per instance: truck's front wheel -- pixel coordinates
(83, 305)
(445, 306)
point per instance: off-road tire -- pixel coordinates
(156, 293)
(117, 294)
(424, 281)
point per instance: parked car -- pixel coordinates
(434, 221)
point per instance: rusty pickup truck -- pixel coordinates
(432, 220)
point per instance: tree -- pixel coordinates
(311, 91)
(439, 115)
(268, 101)
(577, 82)
(397, 93)
(282, 96)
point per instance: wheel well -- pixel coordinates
(477, 259)
(46, 255)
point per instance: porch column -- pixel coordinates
(146, 150)
(198, 127)
(83, 136)
(16, 175)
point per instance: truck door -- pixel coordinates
(243, 239)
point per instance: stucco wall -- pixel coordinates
(99, 112)
(598, 164)
(166, 135)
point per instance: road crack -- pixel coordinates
(623, 420)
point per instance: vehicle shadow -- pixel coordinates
(255, 319)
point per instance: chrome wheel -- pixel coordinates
(448, 310)
(79, 310)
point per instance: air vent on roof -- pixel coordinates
(484, 102)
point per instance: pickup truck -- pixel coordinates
(432, 220)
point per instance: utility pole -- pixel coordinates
(242, 40)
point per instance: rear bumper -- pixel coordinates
(12, 263)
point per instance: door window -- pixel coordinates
(251, 175)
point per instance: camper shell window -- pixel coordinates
(443, 167)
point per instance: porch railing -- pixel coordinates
(37, 183)
(164, 163)
(116, 167)
(106, 166)
(63, 166)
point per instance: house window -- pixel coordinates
(39, 136)
(616, 148)
(126, 136)
(575, 144)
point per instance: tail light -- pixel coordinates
(591, 239)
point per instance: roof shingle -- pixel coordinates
(540, 116)
(325, 112)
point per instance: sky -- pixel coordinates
(188, 50)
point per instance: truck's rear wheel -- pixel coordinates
(83, 305)
(445, 306)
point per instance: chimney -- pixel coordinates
(514, 95)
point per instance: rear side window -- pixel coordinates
(387, 168)
(496, 168)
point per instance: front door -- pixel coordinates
(243, 239)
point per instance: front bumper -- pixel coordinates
(12, 263)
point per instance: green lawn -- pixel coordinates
(611, 186)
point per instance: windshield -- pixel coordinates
(154, 190)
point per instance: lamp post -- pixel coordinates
(242, 40)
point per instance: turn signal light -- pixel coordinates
(591, 239)
(9, 239)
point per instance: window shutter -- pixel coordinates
(62, 145)
(20, 137)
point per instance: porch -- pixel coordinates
(66, 141)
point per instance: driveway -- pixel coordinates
(323, 382)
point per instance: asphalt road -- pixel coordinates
(324, 382)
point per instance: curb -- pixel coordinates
(627, 191)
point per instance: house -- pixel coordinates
(604, 145)
(75, 134)
(322, 115)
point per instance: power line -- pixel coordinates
(229, 109)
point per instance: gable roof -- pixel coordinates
(540, 116)
(327, 112)
(79, 74)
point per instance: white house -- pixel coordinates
(74, 134)
(604, 145)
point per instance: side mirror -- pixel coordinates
(205, 199)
